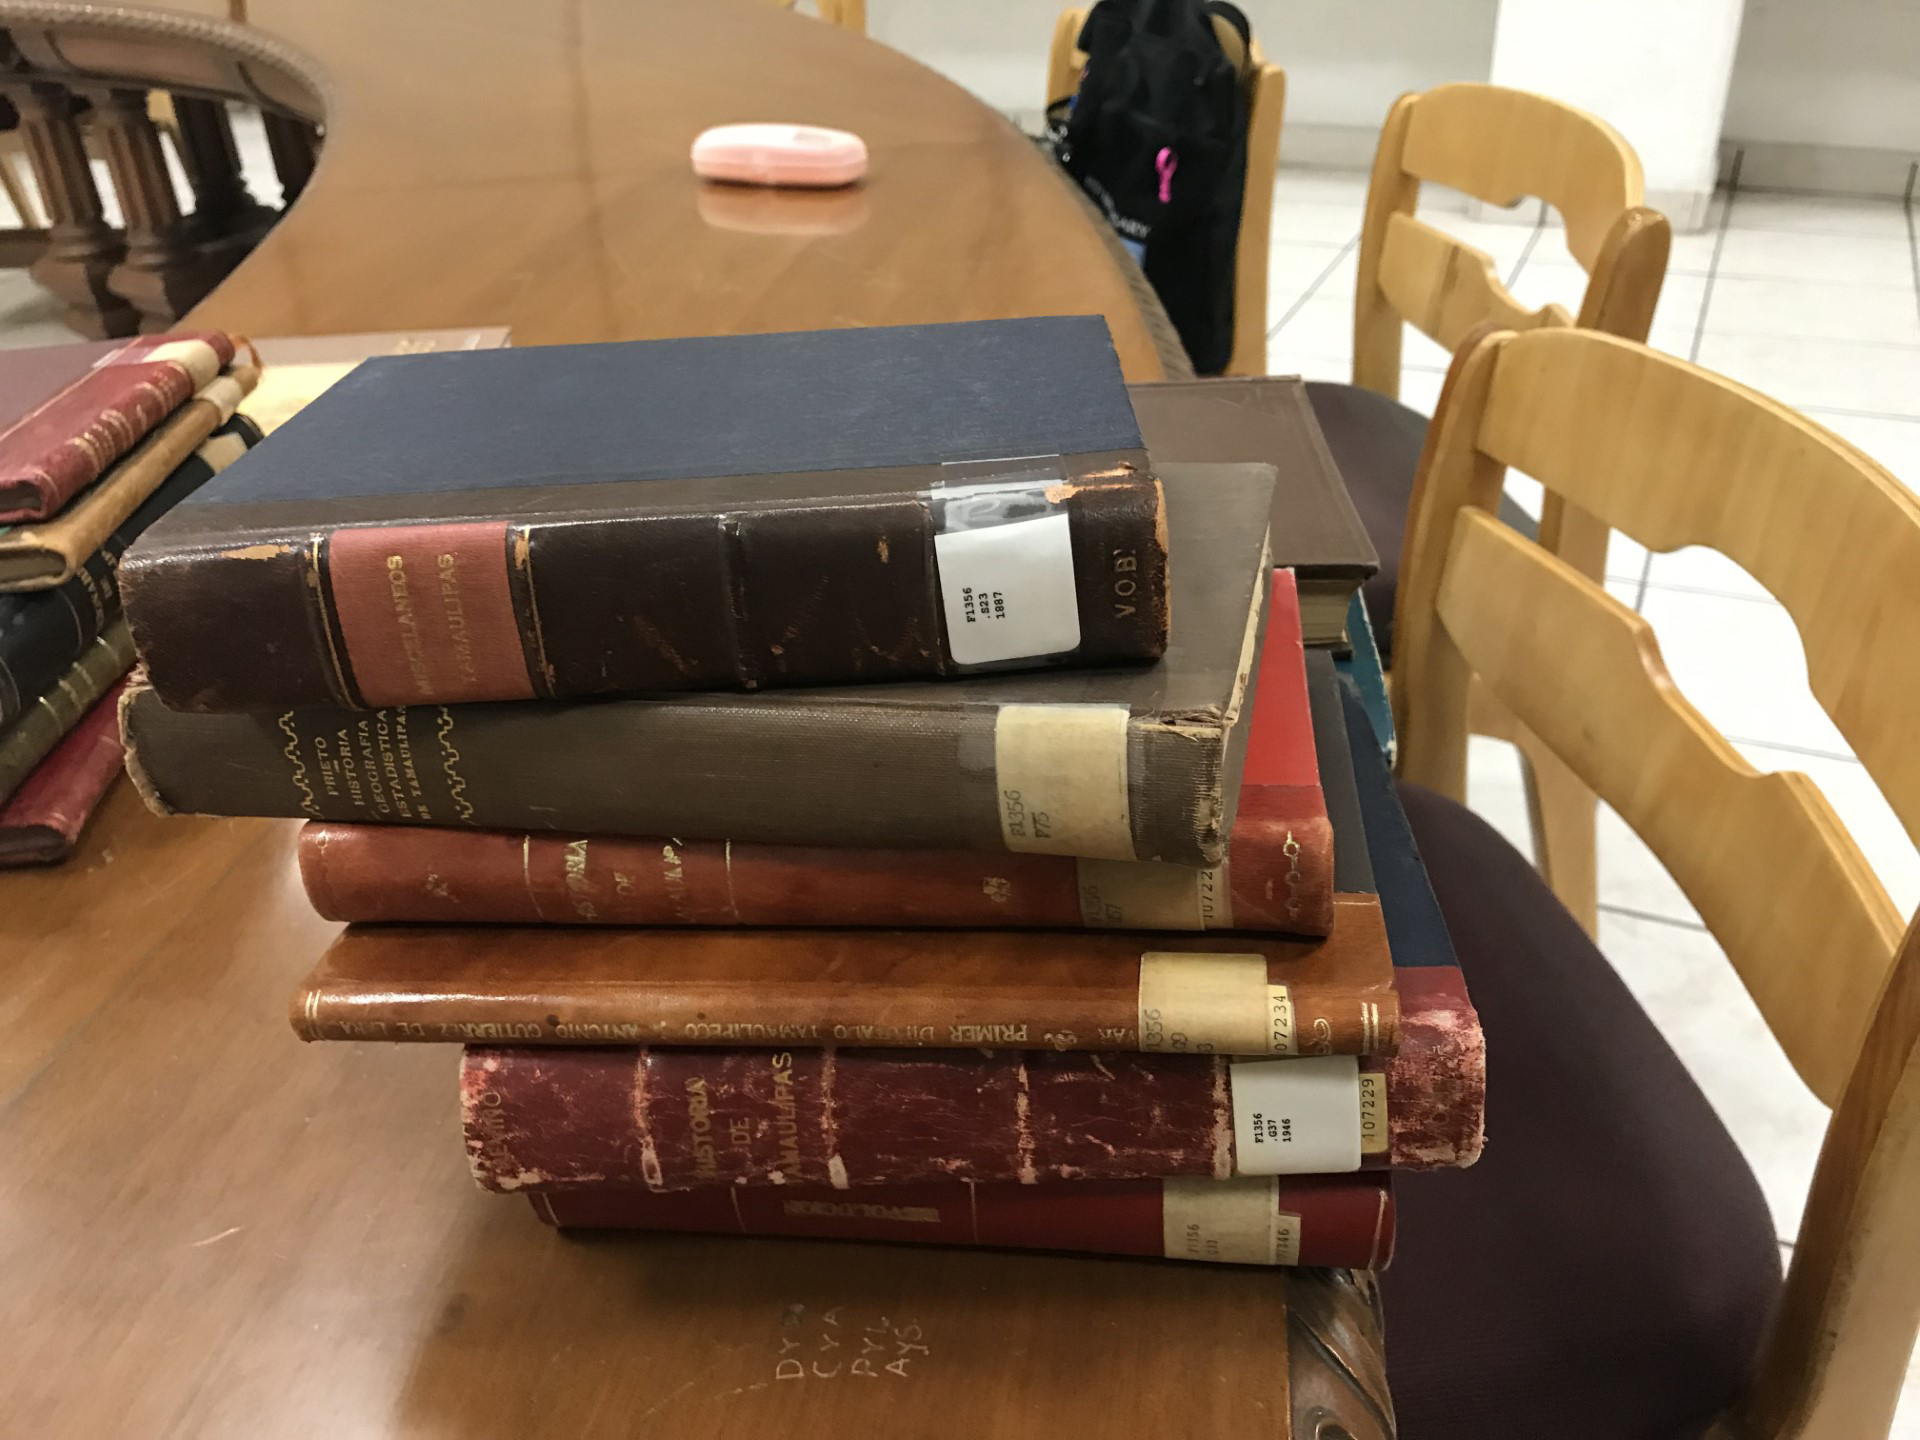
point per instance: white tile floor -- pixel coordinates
(1815, 300)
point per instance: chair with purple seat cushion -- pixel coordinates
(1609, 1270)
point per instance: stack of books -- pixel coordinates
(864, 784)
(97, 441)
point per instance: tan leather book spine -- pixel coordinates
(1227, 994)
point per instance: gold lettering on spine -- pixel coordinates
(454, 608)
(408, 625)
(853, 1210)
(579, 887)
(700, 1122)
(786, 1125)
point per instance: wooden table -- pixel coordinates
(207, 1229)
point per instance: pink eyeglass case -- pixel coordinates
(802, 155)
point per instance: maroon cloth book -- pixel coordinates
(41, 821)
(673, 1119)
(66, 440)
(1344, 1220)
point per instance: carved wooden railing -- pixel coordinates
(148, 272)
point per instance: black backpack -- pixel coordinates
(1157, 135)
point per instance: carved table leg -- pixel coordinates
(164, 273)
(293, 146)
(1337, 1356)
(82, 249)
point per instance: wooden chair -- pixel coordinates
(1266, 106)
(1609, 1268)
(1499, 146)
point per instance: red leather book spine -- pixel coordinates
(681, 1119)
(40, 821)
(1278, 876)
(49, 455)
(1334, 1220)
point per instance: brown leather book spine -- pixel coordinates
(1278, 870)
(48, 456)
(43, 819)
(597, 601)
(1285, 1220)
(1226, 994)
(679, 1119)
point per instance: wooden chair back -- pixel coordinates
(1673, 456)
(1500, 146)
(1266, 107)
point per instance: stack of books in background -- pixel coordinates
(97, 441)
(863, 784)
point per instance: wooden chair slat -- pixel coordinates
(1444, 287)
(1815, 954)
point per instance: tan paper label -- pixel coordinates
(1143, 895)
(199, 359)
(1235, 1222)
(1061, 773)
(1374, 1139)
(1212, 1005)
(224, 395)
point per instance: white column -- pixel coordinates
(1656, 70)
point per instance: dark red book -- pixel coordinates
(1278, 875)
(1339, 1220)
(42, 820)
(68, 439)
(673, 1119)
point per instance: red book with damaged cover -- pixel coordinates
(42, 820)
(67, 441)
(1278, 875)
(1333, 1220)
(675, 1119)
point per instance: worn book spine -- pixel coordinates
(599, 602)
(703, 769)
(42, 820)
(848, 505)
(1277, 877)
(1272, 1220)
(672, 1119)
(33, 736)
(43, 632)
(48, 456)
(1226, 994)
